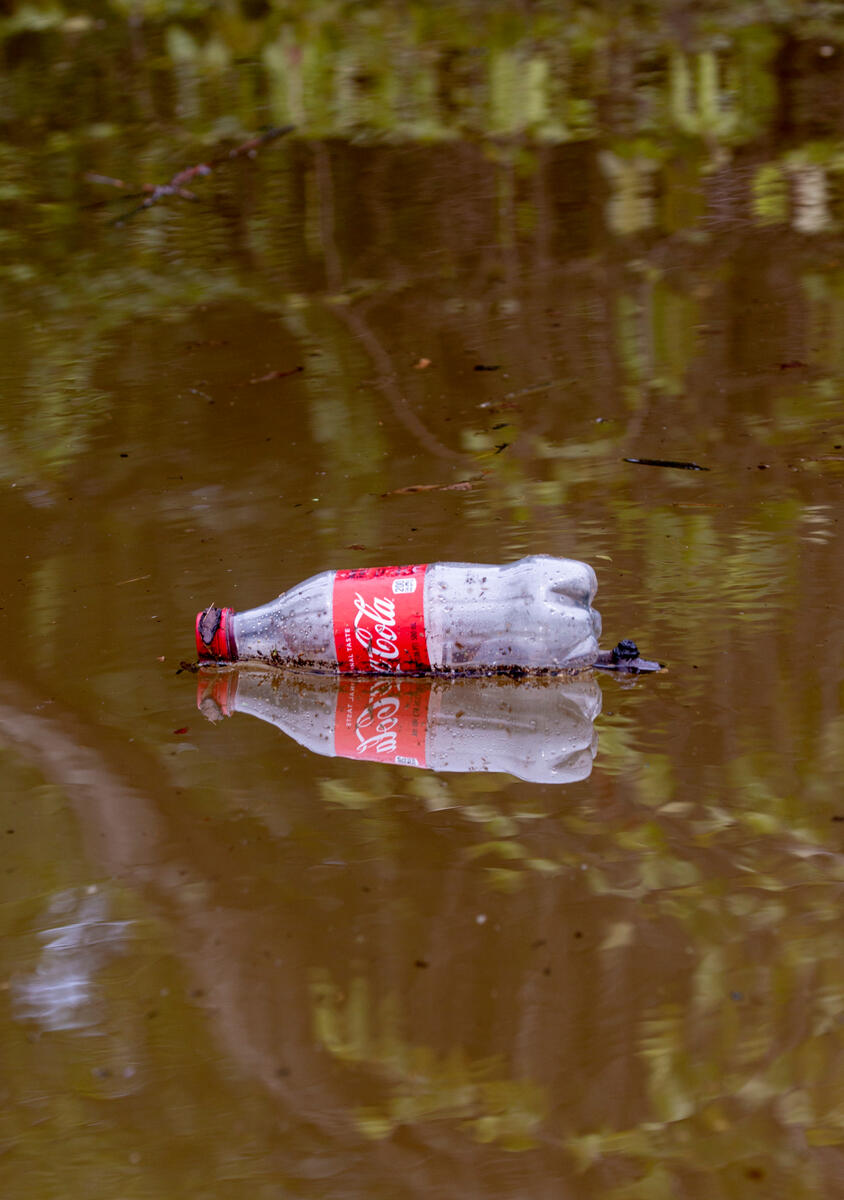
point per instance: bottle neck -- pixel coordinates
(253, 634)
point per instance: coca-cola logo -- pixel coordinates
(375, 630)
(383, 718)
(376, 725)
(379, 620)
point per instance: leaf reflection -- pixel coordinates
(421, 1085)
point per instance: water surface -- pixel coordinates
(435, 322)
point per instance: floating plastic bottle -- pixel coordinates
(454, 618)
(535, 728)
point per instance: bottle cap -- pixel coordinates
(214, 634)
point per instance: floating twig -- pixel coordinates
(273, 375)
(464, 485)
(666, 462)
(176, 186)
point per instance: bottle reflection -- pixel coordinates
(541, 730)
(78, 941)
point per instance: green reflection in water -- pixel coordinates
(422, 1087)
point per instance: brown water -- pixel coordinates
(234, 967)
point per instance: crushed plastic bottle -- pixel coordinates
(532, 615)
(537, 729)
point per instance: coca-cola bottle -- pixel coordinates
(531, 615)
(535, 728)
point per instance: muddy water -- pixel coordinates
(606, 963)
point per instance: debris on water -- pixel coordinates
(533, 388)
(501, 405)
(207, 343)
(175, 187)
(421, 364)
(273, 375)
(666, 462)
(625, 657)
(625, 651)
(484, 367)
(464, 485)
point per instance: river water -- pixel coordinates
(426, 325)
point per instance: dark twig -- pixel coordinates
(154, 193)
(666, 462)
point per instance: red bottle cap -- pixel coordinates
(214, 634)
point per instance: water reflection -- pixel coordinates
(540, 730)
(61, 993)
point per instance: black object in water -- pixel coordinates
(625, 657)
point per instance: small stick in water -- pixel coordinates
(666, 462)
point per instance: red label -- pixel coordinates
(382, 720)
(379, 619)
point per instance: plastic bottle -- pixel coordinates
(532, 615)
(535, 728)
